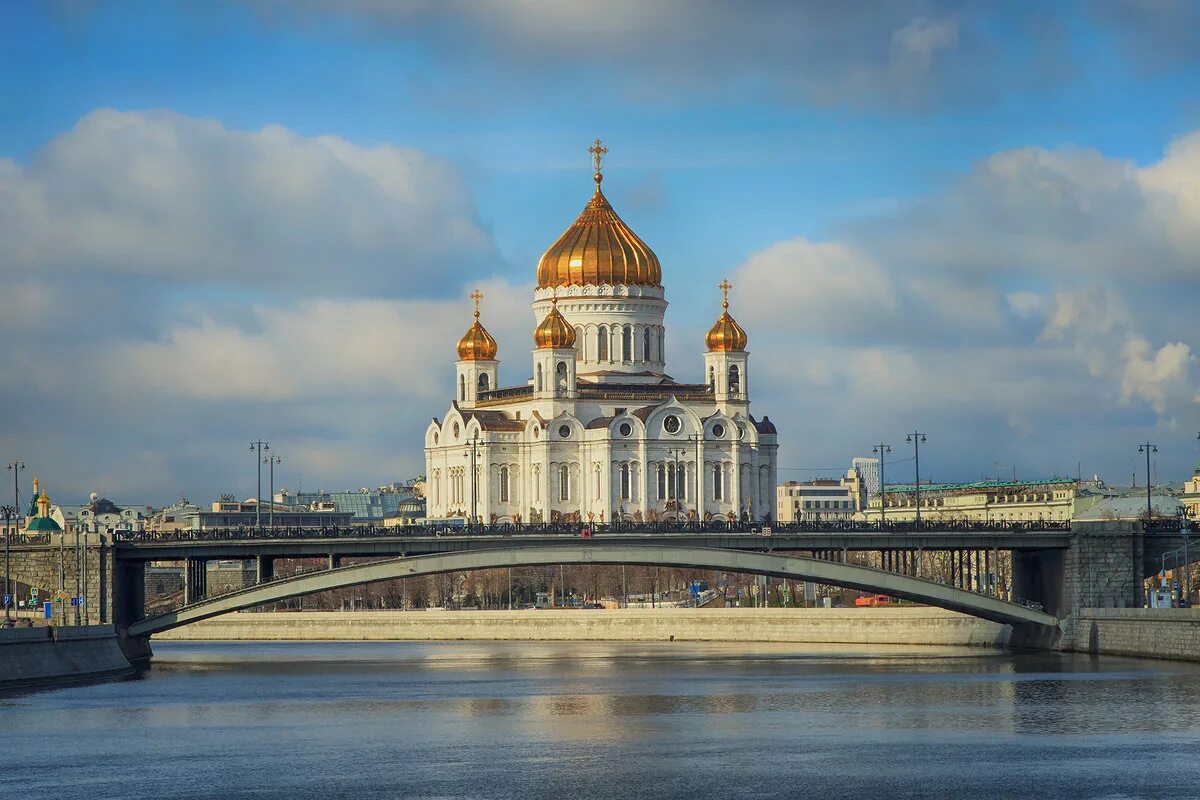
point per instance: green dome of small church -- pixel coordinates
(43, 525)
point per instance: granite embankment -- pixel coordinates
(1172, 633)
(910, 625)
(50, 656)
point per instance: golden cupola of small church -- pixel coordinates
(554, 331)
(725, 336)
(477, 344)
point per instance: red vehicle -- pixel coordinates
(873, 600)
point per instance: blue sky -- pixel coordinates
(902, 192)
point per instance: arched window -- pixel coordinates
(602, 344)
(624, 481)
(672, 483)
(734, 380)
(646, 345)
(484, 383)
(681, 482)
(662, 482)
(580, 342)
(626, 343)
(564, 483)
(504, 484)
(538, 387)
(658, 343)
(712, 378)
(561, 371)
(462, 387)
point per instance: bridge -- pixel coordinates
(1054, 567)
(594, 553)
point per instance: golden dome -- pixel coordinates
(598, 248)
(554, 331)
(725, 336)
(477, 344)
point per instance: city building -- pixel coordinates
(1191, 495)
(821, 499)
(868, 472)
(985, 501)
(100, 515)
(230, 513)
(599, 430)
(1131, 505)
(392, 505)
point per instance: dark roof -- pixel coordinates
(43, 524)
(494, 420)
(764, 426)
(644, 391)
(600, 422)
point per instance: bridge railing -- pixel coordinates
(511, 529)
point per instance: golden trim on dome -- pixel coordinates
(599, 248)
(725, 336)
(554, 331)
(477, 344)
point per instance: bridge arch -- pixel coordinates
(780, 566)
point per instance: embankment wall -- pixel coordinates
(46, 656)
(916, 625)
(1145, 632)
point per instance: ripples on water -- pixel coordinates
(601, 720)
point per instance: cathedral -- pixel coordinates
(600, 432)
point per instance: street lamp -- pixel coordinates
(12, 512)
(1148, 448)
(915, 439)
(881, 449)
(272, 460)
(677, 483)
(472, 454)
(259, 446)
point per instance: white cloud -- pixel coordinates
(161, 195)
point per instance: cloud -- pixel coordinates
(173, 198)
(891, 54)
(1156, 34)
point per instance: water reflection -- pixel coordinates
(611, 720)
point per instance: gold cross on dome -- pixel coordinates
(477, 296)
(598, 152)
(725, 286)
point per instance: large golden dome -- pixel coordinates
(725, 336)
(598, 248)
(554, 331)
(477, 344)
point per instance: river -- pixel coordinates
(609, 720)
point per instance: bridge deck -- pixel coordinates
(149, 549)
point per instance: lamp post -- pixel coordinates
(473, 455)
(10, 515)
(1148, 448)
(272, 460)
(915, 439)
(15, 468)
(677, 483)
(258, 446)
(881, 449)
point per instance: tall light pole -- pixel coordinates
(15, 468)
(272, 460)
(677, 483)
(472, 455)
(258, 446)
(1148, 448)
(881, 449)
(915, 439)
(10, 514)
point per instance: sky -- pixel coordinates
(229, 221)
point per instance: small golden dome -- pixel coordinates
(554, 331)
(477, 344)
(43, 500)
(598, 248)
(725, 336)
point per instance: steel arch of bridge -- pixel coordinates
(780, 566)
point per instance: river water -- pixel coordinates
(605, 720)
